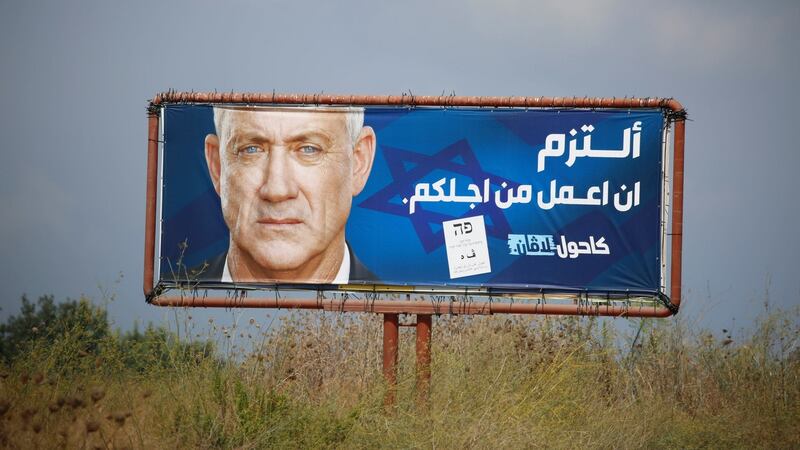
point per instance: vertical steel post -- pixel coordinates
(424, 325)
(391, 326)
(150, 208)
(677, 211)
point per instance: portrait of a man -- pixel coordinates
(286, 178)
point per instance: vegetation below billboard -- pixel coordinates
(313, 380)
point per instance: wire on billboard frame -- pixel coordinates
(638, 299)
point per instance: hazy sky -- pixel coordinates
(77, 77)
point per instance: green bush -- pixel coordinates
(75, 334)
(44, 322)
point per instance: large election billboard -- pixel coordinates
(337, 196)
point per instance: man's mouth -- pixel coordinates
(279, 221)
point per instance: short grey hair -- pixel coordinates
(354, 121)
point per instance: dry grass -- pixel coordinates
(313, 380)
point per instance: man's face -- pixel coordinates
(286, 181)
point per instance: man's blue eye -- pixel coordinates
(250, 149)
(309, 150)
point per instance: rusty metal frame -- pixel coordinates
(675, 112)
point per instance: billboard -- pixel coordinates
(500, 199)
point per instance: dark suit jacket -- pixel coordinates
(359, 273)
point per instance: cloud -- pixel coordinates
(35, 202)
(700, 35)
(709, 36)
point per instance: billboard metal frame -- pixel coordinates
(370, 301)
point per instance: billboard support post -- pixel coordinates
(391, 327)
(424, 326)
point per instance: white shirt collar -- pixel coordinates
(342, 276)
(226, 273)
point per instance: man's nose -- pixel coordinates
(279, 181)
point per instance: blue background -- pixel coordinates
(426, 144)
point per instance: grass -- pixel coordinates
(313, 380)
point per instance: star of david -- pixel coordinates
(407, 168)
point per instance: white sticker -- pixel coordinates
(467, 249)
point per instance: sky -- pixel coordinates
(77, 78)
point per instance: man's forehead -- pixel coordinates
(231, 119)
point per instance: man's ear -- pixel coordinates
(212, 159)
(363, 156)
